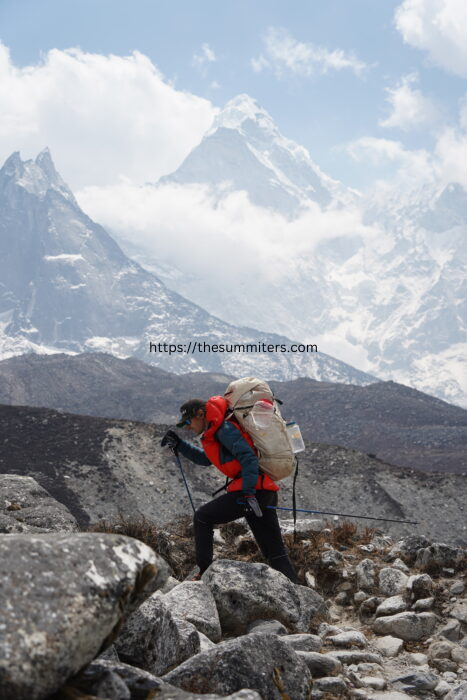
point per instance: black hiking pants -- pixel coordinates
(266, 530)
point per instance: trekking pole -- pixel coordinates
(177, 458)
(346, 515)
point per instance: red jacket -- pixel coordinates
(216, 408)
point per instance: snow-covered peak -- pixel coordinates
(240, 109)
(36, 176)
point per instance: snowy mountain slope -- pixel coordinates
(384, 287)
(244, 150)
(65, 285)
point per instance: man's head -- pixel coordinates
(193, 416)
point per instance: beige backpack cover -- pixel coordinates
(275, 454)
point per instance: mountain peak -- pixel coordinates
(240, 109)
(36, 176)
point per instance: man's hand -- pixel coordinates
(170, 440)
(250, 505)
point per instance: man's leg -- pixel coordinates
(221, 510)
(267, 533)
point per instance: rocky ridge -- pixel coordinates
(400, 425)
(99, 467)
(102, 615)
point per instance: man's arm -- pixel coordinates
(232, 439)
(193, 453)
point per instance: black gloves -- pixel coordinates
(170, 440)
(250, 505)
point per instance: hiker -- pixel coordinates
(228, 447)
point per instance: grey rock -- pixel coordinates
(366, 574)
(331, 559)
(389, 646)
(320, 665)
(415, 682)
(360, 596)
(351, 638)
(374, 682)
(392, 581)
(419, 659)
(27, 507)
(193, 601)
(303, 526)
(247, 592)
(204, 642)
(439, 555)
(408, 626)
(459, 612)
(391, 606)
(247, 661)
(444, 665)
(154, 640)
(368, 608)
(170, 584)
(349, 657)
(325, 629)
(62, 601)
(408, 547)
(423, 604)
(458, 693)
(119, 681)
(331, 685)
(399, 564)
(457, 588)
(267, 627)
(420, 586)
(303, 642)
(451, 630)
(440, 650)
(459, 656)
(442, 688)
(341, 598)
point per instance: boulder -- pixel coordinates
(459, 612)
(366, 574)
(320, 665)
(408, 626)
(119, 681)
(408, 547)
(349, 657)
(329, 686)
(423, 604)
(350, 638)
(368, 608)
(303, 642)
(392, 581)
(420, 586)
(457, 588)
(439, 556)
(414, 681)
(451, 630)
(62, 601)
(27, 507)
(154, 640)
(389, 646)
(247, 592)
(458, 693)
(262, 662)
(267, 627)
(193, 601)
(391, 606)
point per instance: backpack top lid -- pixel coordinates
(242, 393)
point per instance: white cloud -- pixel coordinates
(410, 108)
(202, 59)
(284, 54)
(438, 27)
(380, 151)
(105, 118)
(188, 226)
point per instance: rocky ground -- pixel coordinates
(99, 467)
(400, 425)
(106, 613)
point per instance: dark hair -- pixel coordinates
(189, 409)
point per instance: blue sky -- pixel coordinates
(323, 111)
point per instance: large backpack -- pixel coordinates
(275, 455)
